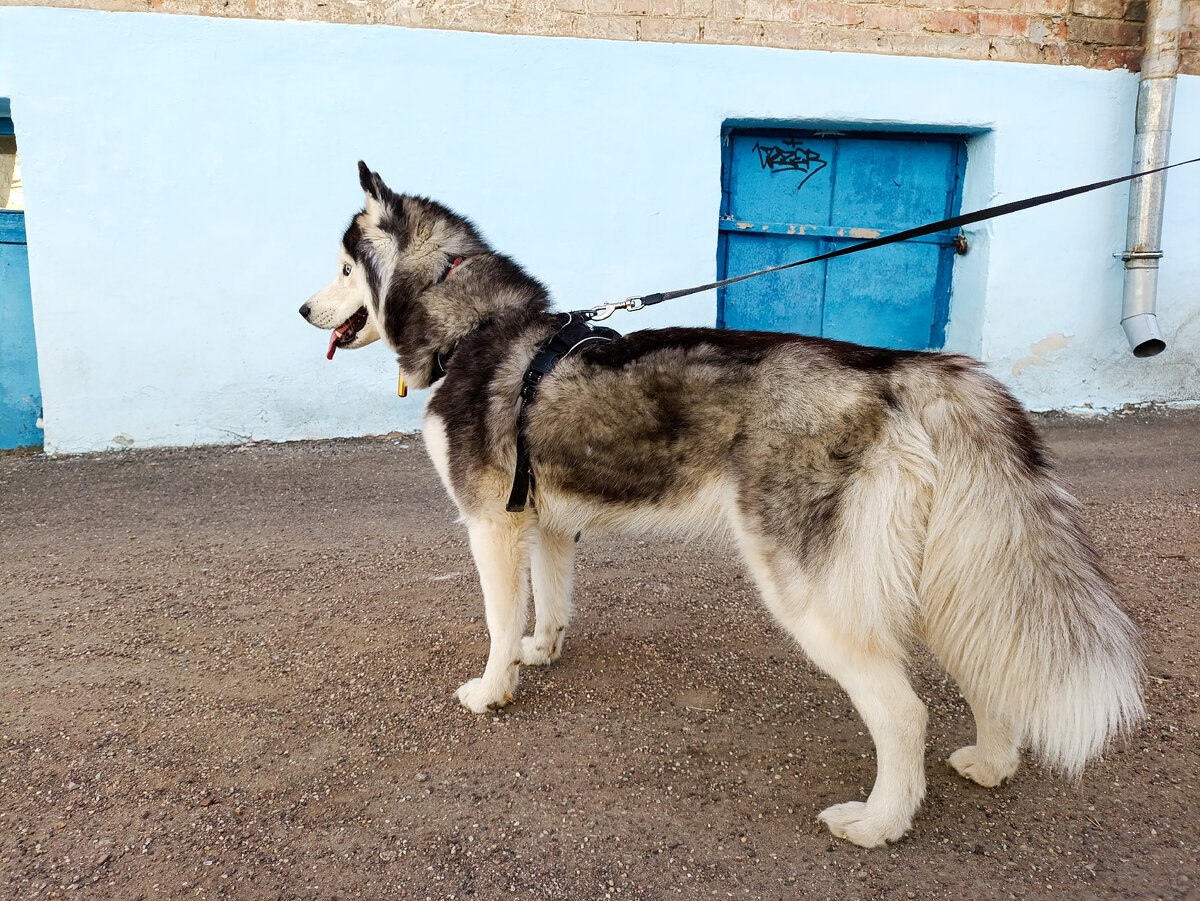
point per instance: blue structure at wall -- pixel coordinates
(792, 194)
(20, 391)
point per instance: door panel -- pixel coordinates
(893, 185)
(781, 179)
(885, 296)
(792, 195)
(788, 301)
(20, 391)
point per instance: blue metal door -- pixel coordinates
(788, 195)
(20, 391)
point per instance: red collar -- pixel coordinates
(457, 260)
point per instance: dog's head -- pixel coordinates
(391, 252)
(348, 305)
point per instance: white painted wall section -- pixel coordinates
(188, 179)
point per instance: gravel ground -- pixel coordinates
(228, 672)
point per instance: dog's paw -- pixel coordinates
(539, 652)
(971, 764)
(479, 697)
(855, 822)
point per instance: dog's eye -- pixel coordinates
(346, 269)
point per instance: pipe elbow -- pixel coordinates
(1144, 335)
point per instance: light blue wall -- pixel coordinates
(187, 181)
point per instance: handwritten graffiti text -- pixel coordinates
(790, 155)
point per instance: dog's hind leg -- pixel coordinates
(501, 551)
(844, 584)
(878, 686)
(995, 755)
(551, 566)
(871, 670)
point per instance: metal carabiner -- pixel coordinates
(631, 304)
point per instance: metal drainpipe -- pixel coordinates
(1152, 144)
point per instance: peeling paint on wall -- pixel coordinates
(1041, 352)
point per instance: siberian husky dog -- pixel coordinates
(878, 497)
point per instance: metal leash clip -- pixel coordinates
(632, 304)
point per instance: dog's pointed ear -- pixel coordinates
(377, 192)
(369, 180)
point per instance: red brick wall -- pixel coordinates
(1104, 34)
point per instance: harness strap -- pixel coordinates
(574, 335)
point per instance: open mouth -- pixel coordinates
(346, 332)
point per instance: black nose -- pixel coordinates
(305, 310)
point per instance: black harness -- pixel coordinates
(574, 336)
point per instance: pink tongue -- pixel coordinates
(333, 339)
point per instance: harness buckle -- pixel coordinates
(530, 384)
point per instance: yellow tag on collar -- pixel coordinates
(402, 389)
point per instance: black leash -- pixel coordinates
(575, 333)
(638, 302)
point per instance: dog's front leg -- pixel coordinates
(552, 556)
(501, 550)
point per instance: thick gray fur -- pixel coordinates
(879, 498)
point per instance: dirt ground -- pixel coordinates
(228, 672)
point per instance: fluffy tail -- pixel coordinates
(1015, 602)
